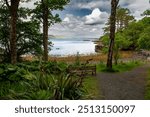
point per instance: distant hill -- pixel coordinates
(51, 36)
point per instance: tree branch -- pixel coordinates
(6, 1)
(117, 1)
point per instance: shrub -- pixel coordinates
(49, 80)
(67, 87)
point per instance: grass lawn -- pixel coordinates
(121, 67)
(91, 88)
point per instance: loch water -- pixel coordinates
(69, 47)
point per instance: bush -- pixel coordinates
(35, 80)
(67, 87)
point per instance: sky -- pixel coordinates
(86, 18)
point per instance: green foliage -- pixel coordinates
(13, 73)
(77, 60)
(49, 5)
(105, 39)
(136, 33)
(53, 67)
(121, 67)
(12, 90)
(146, 13)
(37, 15)
(120, 43)
(35, 80)
(144, 40)
(133, 33)
(38, 88)
(67, 87)
(134, 36)
(43, 14)
(39, 95)
(91, 88)
(123, 18)
(28, 36)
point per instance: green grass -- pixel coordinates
(121, 67)
(91, 88)
(147, 93)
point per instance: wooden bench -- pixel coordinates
(83, 70)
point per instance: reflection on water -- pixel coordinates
(64, 47)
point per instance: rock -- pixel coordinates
(148, 58)
(145, 53)
(98, 47)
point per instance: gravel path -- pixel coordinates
(123, 86)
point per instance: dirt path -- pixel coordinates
(124, 86)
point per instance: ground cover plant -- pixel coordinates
(91, 87)
(41, 80)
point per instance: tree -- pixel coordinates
(146, 13)
(114, 4)
(123, 18)
(28, 39)
(133, 37)
(144, 40)
(43, 11)
(120, 43)
(133, 33)
(13, 6)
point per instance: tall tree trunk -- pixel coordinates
(13, 33)
(13, 8)
(114, 4)
(45, 31)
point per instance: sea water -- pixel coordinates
(68, 47)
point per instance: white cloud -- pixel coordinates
(94, 29)
(66, 19)
(137, 7)
(76, 28)
(104, 4)
(96, 17)
(29, 4)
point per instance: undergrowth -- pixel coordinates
(39, 80)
